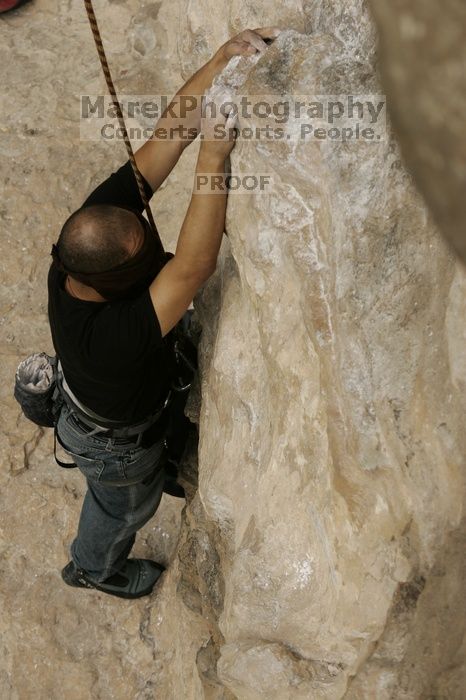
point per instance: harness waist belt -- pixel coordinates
(93, 420)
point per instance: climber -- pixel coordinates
(111, 311)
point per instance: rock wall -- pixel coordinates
(321, 554)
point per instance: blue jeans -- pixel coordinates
(124, 488)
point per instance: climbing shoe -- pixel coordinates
(135, 579)
(173, 488)
(171, 485)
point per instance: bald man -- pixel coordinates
(112, 306)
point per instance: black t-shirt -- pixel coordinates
(113, 355)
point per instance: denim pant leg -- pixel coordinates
(125, 485)
(110, 517)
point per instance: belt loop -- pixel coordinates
(109, 445)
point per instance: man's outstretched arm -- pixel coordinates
(201, 233)
(158, 156)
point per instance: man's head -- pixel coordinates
(98, 238)
(111, 249)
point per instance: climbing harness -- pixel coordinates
(41, 390)
(98, 424)
(111, 88)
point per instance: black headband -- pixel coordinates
(128, 279)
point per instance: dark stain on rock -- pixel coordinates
(407, 594)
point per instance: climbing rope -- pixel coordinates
(111, 88)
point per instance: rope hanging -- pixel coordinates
(111, 88)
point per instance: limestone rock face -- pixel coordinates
(321, 551)
(321, 371)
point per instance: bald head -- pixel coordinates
(99, 237)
